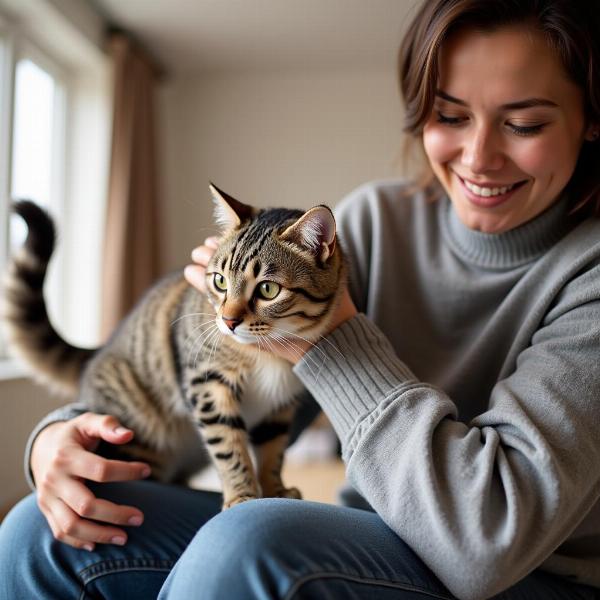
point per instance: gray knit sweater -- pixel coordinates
(467, 399)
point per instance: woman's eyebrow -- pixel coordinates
(527, 103)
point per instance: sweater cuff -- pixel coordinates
(351, 372)
(64, 413)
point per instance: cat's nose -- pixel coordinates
(231, 323)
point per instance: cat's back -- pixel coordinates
(145, 337)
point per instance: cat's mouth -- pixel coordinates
(243, 338)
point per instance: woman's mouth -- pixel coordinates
(489, 196)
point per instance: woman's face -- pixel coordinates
(506, 128)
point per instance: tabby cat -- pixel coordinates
(185, 363)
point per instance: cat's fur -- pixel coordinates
(175, 367)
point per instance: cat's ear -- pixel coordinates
(315, 231)
(229, 212)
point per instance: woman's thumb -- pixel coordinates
(105, 427)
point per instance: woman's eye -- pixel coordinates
(526, 130)
(220, 282)
(441, 118)
(522, 130)
(268, 290)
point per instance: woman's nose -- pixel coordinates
(482, 152)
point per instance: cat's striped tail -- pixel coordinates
(28, 330)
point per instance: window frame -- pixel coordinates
(27, 50)
(17, 46)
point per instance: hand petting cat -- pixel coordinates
(195, 275)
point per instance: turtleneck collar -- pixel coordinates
(510, 249)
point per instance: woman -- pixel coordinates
(466, 400)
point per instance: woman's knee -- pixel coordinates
(251, 540)
(260, 527)
(23, 527)
(25, 541)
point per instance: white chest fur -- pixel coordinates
(270, 385)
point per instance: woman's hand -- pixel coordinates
(345, 310)
(61, 458)
(201, 255)
(292, 352)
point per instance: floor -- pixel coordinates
(318, 481)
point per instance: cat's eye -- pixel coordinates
(220, 282)
(268, 290)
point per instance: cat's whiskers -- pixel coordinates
(206, 326)
(191, 334)
(321, 337)
(208, 331)
(217, 340)
(291, 346)
(309, 357)
(192, 315)
(291, 333)
(258, 341)
(207, 340)
(271, 346)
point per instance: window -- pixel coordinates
(54, 150)
(35, 102)
(38, 140)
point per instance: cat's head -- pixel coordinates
(277, 273)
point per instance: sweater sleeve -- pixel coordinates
(64, 413)
(482, 503)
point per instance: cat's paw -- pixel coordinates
(292, 492)
(237, 500)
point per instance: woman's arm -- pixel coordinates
(482, 503)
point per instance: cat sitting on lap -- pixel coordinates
(184, 363)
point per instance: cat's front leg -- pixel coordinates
(270, 439)
(216, 410)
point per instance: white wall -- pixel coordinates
(271, 139)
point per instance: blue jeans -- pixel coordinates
(263, 549)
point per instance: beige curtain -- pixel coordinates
(131, 248)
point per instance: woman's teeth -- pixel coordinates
(486, 192)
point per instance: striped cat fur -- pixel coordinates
(186, 369)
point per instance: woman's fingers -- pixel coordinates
(87, 465)
(80, 500)
(195, 275)
(93, 427)
(56, 529)
(202, 254)
(212, 242)
(67, 526)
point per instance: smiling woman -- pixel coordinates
(504, 150)
(504, 109)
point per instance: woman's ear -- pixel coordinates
(592, 133)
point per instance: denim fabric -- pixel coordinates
(264, 549)
(297, 550)
(33, 565)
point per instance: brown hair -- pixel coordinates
(572, 28)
